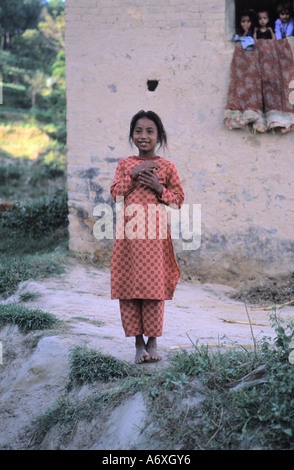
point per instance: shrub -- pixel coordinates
(15, 96)
(39, 217)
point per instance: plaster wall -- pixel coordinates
(244, 182)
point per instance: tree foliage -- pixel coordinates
(32, 59)
(16, 16)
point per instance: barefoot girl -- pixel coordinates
(144, 271)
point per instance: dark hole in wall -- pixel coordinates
(257, 5)
(152, 85)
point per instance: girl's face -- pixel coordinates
(285, 16)
(145, 137)
(263, 18)
(245, 23)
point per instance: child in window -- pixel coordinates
(244, 31)
(284, 25)
(245, 27)
(263, 31)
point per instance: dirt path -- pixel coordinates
(31, 380)
(198, 313)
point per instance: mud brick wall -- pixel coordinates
(244, 182)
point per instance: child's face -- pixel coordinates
(263, 18)
(285, 16)
(145, 135)
(245, 23)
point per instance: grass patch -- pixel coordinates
(29, 158)
(191, 402)
(37, 217)
(85, 319)
(14, 270)
(89, 365)
(33, 242)
(118, 381)
(259, 416)
(41, 179)
(24, 137)
(29, 296)
(25, 318)
(70, 410)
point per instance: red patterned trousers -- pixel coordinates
(142, 317)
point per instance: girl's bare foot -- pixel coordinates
(151, 349)
(141, 353)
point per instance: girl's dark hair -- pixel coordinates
(162, 138)
(283, 7)
(252, 16)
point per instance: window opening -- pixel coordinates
(268, 5)
(152, 85)
(260, 74)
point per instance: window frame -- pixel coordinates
(231, 8)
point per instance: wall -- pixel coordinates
(242, 181)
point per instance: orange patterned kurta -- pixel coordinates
(144, 267)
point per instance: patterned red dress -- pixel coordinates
(143, 262)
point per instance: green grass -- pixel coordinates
(40, 178)
(260, 416)
(33, 242)
(36, 262)
(89, 365)
(25, 318)
(22, 136)
(35, 218)
(32, 163)
(257, 417)
(70, 410)
(29, 296)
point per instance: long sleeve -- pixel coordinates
(123, 183)
(172, 191)
(143, 264)
(287, 29)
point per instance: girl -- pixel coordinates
(244, 32)
(246, 24)
(284, 25)
(264, 31)
(144, 271)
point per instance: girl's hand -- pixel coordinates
(149, 178)
(146, 165)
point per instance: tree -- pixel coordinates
(32, 51)
(36, 85)
(53, 29)
(55, 7)
(16, 16)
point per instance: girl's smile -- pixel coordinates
(145, 137)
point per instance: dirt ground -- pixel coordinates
(32, 379)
